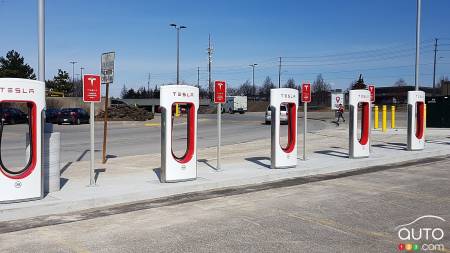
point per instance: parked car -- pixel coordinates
(283, 115)
(75, 116)
(51, 116)
(13, 116)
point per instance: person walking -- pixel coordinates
(340, 113)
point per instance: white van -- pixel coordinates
(235, 104)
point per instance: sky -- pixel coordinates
(340, 39)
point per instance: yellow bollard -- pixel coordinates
(392, 116)
(177, 110)
(375, 117)
(383, 123)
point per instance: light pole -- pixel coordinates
(253, 70)
(41, 40)
(178, 49)
(419, 7)
(73, 71)
(81, 72)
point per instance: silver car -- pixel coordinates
(283, 115)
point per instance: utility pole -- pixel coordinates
(148, 84)
(209, 66)
(279, 74)
(254, 88)
(198, 77)
(434, 66)
(73, 71)
(41, 40)
(416, 79)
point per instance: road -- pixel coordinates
(353, 212)
(135, 138)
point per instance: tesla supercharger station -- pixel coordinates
(359, 146)
(178, 168)
(283, 157)
(24, 183)
(416, 120)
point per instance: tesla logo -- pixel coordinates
(18, 184)
(16, 90)
(92, 79)
(183, 94)
(220, 84)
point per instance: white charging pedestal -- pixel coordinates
(24, 183)
(283, 157)
(178, 168)
(416, 120)
(359, 146)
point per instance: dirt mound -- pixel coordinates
(126, 113)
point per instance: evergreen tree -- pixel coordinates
(13, 65)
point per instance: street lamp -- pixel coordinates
(178, 49)
(253, 69)
(73, 71)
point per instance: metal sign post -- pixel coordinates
(371, 89)
(107, 78)
(306, 98)
(92, 128)
(92, 93)
(220, 94)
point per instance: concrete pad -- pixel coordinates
(129, 179)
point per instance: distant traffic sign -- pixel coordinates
(108, 67)
(372, 93)
(220, 92)
(306, 93)
(91, 88)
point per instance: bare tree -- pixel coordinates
(320, 85)
(264, 91)
(246, 89)
(290, 84)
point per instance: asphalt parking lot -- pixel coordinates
(349, 212)
(137, 138)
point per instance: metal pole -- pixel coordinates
(198, 77)
(41, 40)
(209, 67)
(279, 74)
(178, 55)
(219, 133)
(73, 71)
(92, 121)
(416, 79)
(434, 66)
(253, 91)
(305, 110)
(105, 124)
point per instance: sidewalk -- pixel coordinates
(134, 178)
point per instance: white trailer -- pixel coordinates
(235, 104)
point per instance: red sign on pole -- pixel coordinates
(91, 88)
(372, 93)
(306, 93)
(220, 92)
